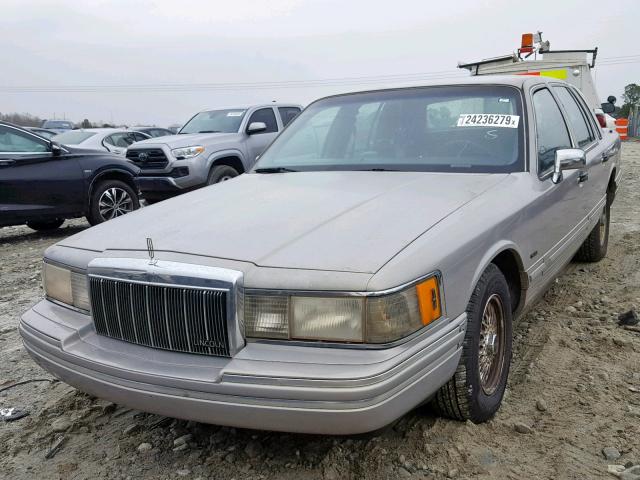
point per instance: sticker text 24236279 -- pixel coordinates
(488, 120)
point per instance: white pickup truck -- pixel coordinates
(536, 58)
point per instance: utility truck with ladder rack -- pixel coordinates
(535, 57)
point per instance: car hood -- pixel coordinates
(334, 221)
(187, 140)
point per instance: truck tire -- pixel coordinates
(46, 226)
(594, 248)
(476, 389)
(111, 199)
(221, 173)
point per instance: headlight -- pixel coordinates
(65, 286)
(355, 319)
(187, 152)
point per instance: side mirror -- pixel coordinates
(608, 107)
(611, 99)
(568, 159)
(56, 151)
(256, 127)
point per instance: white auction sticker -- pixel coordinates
(234, 114)
(488, 120)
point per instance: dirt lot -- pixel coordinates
(575, 385)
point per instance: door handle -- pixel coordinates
(6, 163)
(583, 177)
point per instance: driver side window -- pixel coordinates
(551, 130)
(266, 116)
(15, 141)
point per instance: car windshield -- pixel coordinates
(74, 137)
(224, 121)
(468, 128)
(58, 124)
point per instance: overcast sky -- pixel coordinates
(147, 43)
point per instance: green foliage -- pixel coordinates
(631, 95)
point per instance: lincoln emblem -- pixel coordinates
(152, 261)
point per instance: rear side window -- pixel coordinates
(138, 136)
(287, 114)
(122, 140)
(551, 131)
(577, 121)
(266, 116)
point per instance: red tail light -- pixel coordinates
(602, 120)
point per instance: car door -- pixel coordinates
(587, 137)
(258, 141)
(554, 215)
(35, 183)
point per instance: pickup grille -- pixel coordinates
(148, 158)
(178, 318)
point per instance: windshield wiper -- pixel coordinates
(274, 170)
(209, 131)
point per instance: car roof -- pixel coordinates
(255, 105)
(522, 82)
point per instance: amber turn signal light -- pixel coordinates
(429, 300)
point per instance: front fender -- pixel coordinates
(230, 152)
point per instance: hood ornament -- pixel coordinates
(151, 251)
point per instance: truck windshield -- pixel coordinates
(60, 124)
(467, 128)
(215, 121)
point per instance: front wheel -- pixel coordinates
(475, 392)
(46, 226)
(111, 199)
(221, 173)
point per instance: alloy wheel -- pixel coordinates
(114, 202)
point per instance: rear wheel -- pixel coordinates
(475, 392)
(46, 226)
(111, 199)
(221, 173)
(595, 246)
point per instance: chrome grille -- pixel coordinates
(170, 317)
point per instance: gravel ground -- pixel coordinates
(572, 406)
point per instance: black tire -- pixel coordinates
(594, 248)
(46, 226)
(125, 201)
(465, 396)
(221, 173)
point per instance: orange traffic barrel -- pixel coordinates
(622, 127)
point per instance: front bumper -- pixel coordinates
(160, 188)
(270, 386)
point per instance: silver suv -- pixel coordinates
(214, 146)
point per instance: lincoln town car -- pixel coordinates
(373, 260)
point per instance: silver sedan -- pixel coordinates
(373, 260)
(115, 140)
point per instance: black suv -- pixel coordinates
(43, 183)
